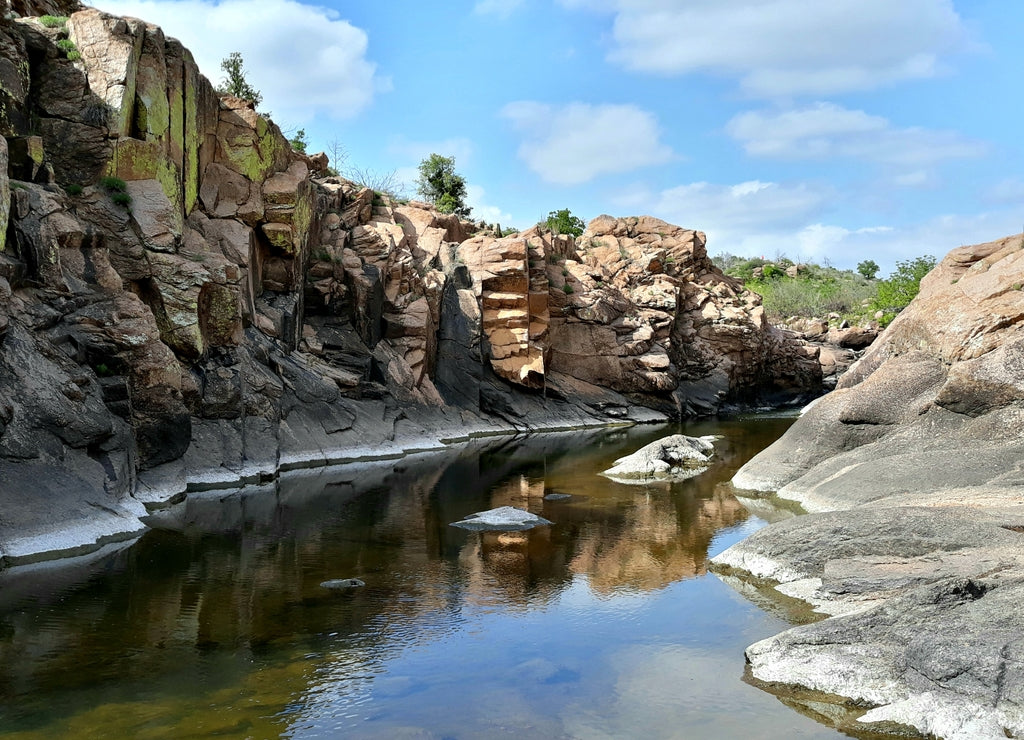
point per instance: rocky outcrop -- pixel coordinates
(914, 467)
(184, 303)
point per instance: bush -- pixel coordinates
(54, 21)
(113, 184)
(73, 189)
(442, 186)
(568, 289)
(122, 199)
(299, 143)
(563, 222)
(896, 293)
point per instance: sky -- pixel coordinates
(829, 131)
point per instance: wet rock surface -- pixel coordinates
(675, 457)
(501, 519)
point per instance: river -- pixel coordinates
(604, 625)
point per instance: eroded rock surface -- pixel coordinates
(185, 303)
(915, 466)
(673, 457)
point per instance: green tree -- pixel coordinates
(299, 142)
(563, 222)
(868, 268)
(441, 185)
(896, 293)
(235, 83)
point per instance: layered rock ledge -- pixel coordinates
(913, 472)
(187, 303)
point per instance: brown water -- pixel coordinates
(604, 625)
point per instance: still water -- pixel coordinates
(604, 625)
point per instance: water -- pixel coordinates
(605, 625)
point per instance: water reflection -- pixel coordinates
(217, 624)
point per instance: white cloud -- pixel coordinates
(1010, 190)
(304, 59)
(574, 143)
(498, 8)
(779, 48)
(476, 199)
(416, 151)
(735, 212)
(828, 131)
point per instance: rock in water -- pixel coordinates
(502, 519)
(342, 584)
(675, 457)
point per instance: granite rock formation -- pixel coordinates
(913, 469)
(186, 303)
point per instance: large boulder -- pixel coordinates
(913, 464)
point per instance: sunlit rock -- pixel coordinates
(504, 519)
(674, 457)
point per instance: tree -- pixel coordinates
(896, 293)
(563, 222)
(868, 268)
(235, 82)
(441, 185)
(299, 142)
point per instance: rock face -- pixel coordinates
(914, 465)
(184, 304)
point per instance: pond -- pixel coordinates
(605, 624)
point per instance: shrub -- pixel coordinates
(563, 222)
(69, 49)
(568, 289)
(73, 189)
(896, 292)
(299, 142)
(113, 184)
(54, 21)
(122, 199)
(442, 186)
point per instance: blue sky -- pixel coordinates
(838, 130)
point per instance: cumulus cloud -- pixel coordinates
(476, 198)
(828, 131)
(778, 48)
(799, 220)
(574, 143)
(304, 59)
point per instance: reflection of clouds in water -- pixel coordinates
(656, 691)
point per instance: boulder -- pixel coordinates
(675, 457)
(502, 519)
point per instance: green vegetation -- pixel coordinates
(235, 83)
(69, 49)
(903, 284)
(442, 186)
(868, 269)
(299, 142)
(568, 289)
(73, 189)
(817, 291)
(113, 184)
(118, 190)
(563, 222)
(54, 21)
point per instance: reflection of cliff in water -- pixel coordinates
(170, 632)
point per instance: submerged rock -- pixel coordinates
(558, 497)
(674, 457)
(342, 584)
(502, 519)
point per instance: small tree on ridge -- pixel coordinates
(441, 185)
(235, 83)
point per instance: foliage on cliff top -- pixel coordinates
(235, 83)
(818, 290)
(442, 186)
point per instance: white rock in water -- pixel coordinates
(504, 518)
(675, 457)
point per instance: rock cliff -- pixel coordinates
(913, 470)
(185, 302)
